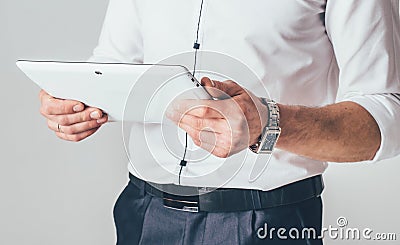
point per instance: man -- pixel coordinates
(332, 67)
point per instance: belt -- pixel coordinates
(231, 200)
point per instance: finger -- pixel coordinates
(222, 90)
(205, 146)
(53, 106)
(73, 129)
(214, 139)
(195, 134)
(216, 150)
(208, 137)
(43, 95)
(206, 124)
(226, 136)
(103, 119)
(78, 127)
(209, 85)
(200, 108)
(87, 115)
(76, 137)
(52, 125)
(219, 151)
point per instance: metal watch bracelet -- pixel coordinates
(271, 131)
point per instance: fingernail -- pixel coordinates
(78, 108)
(101, 121)
(95, 115)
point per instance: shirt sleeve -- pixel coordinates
(120, 39)
(365, 38)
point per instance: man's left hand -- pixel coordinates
(224, 126)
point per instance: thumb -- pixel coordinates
(221, 90)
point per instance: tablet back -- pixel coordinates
(145, 90)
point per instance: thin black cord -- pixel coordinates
(180, 173)
(183, 162)
(198, 23)
(195, 62)
(196, 46)
(186, 145)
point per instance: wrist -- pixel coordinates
(288, 116)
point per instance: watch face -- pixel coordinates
(270, 141)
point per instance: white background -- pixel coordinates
(55, 192)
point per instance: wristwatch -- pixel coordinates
(270, 134)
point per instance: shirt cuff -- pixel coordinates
(385, 109)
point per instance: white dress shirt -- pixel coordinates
(305, 52)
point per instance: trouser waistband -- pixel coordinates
(231, 200)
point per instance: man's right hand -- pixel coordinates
(70, 119)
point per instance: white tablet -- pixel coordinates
(146, 89)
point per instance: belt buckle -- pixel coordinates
(181, 203)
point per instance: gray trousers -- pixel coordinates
(142, 219)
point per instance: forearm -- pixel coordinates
(342, 132)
